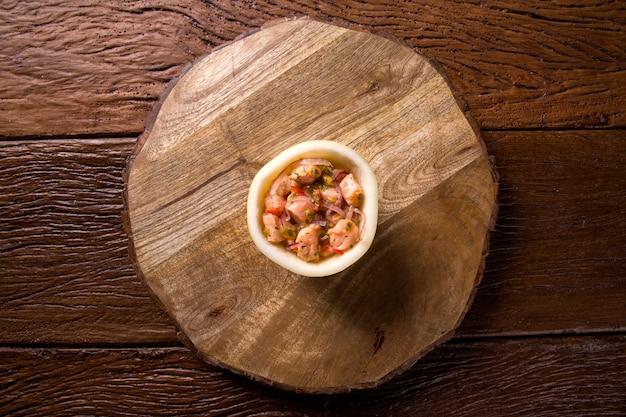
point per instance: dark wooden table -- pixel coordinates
(546, 83)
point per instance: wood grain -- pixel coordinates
(65, 272)
(84, 69)
(559, 233)
(570, 376)
(76, 69)
(62, 243)
(90, 68)
(231, 113)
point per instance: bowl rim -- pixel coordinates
(339, 154)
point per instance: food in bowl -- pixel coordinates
(313, 209)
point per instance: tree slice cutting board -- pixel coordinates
(233, 111)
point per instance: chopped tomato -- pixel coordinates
(331, 249)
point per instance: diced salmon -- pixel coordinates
(308, 243)
(330, 194)
(344, 235)
(275, 204)
(281, 186)
(272, 226)
(306, 174)
(301, 209)
(351, 190)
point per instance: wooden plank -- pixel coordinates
(64, 266)
(90, 67)
(556, 262)
(570, 376)
(559, 236)
(85, 67)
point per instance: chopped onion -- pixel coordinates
(285, 216)
(294, 246)
(335, 209)
(339, 201)
(350, 213)
(362, 226)
(337, 173)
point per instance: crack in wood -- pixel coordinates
(209, 180)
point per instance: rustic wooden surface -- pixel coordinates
(546, 333)
(235, 110)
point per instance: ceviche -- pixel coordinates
(314, 210)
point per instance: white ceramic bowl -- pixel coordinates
(341, 156)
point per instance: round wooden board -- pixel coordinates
(234, 110)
